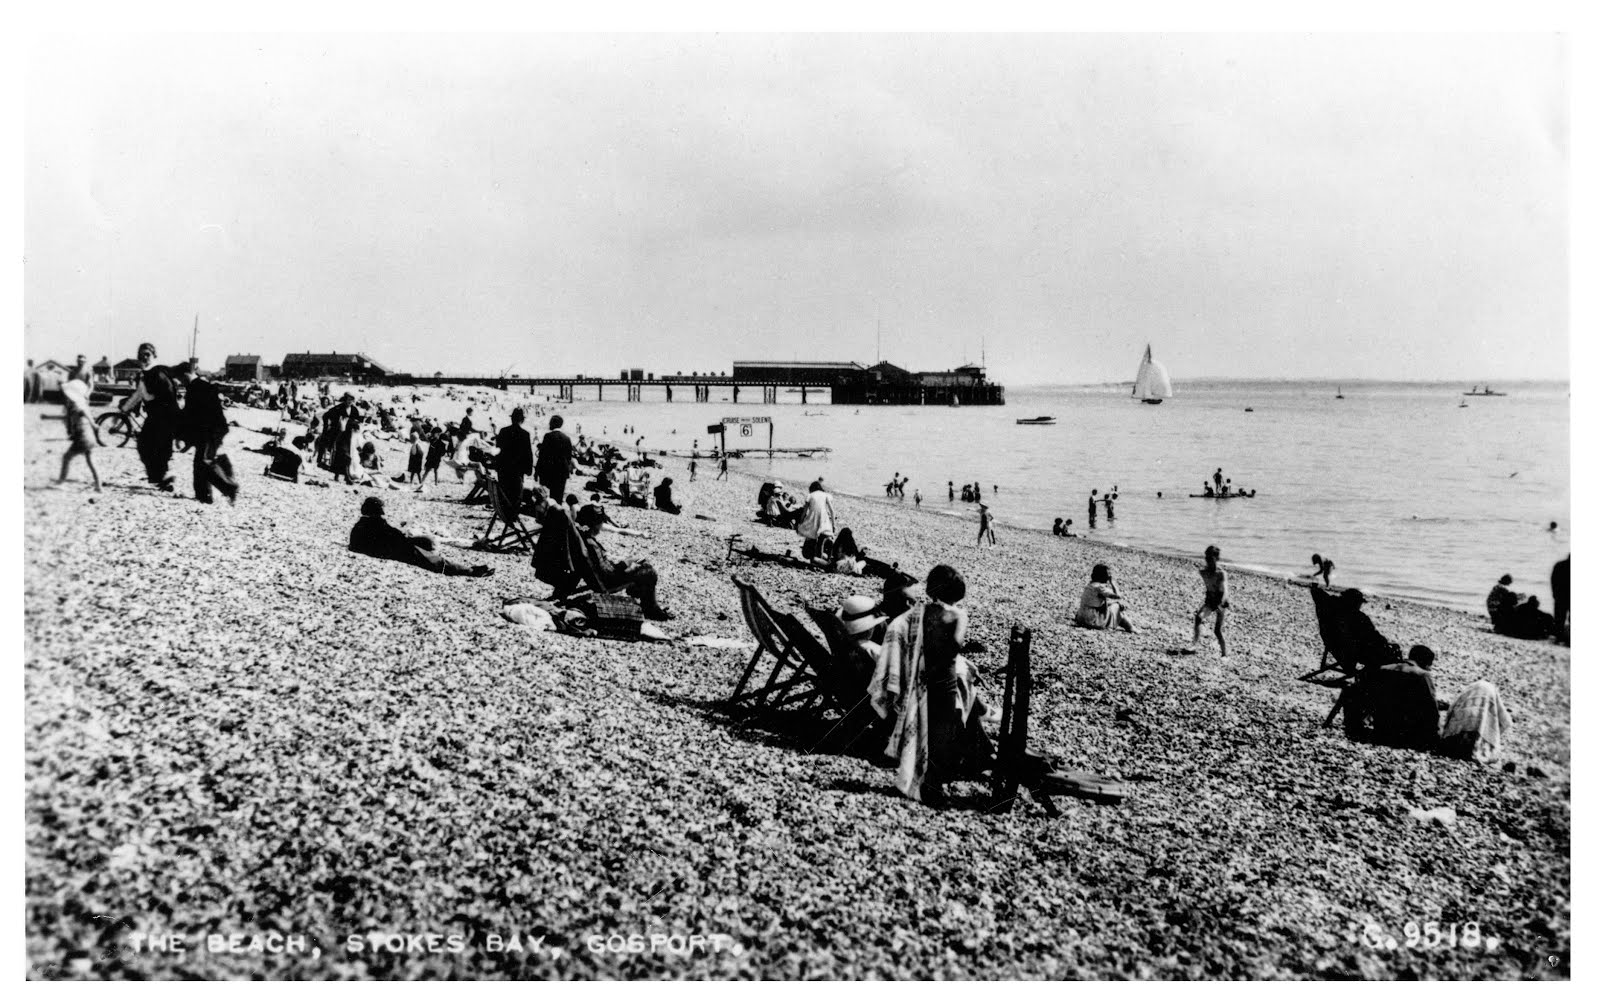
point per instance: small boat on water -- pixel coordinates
(1152, 384)
(1038, 420)
(1338, 391)
(1487, 391)
(1222, 496)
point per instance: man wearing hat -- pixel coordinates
(205, 426)
(860, 617)
(513, 465)
(157, 392)
(636, 578)
(334, 423)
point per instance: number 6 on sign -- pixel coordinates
(745, 430)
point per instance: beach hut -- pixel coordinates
(244, 367)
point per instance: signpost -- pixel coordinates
(746, 428)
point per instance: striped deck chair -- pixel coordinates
(791, 681)
(1335, 669)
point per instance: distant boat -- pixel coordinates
(1338, 391)
(1462, 405)
(1486, 392)
(1249, 409)
(1039, 420)
(1152, 384)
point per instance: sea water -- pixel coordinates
(1412, 495)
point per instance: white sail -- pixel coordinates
(1152, 382)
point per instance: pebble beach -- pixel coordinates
(235, 726)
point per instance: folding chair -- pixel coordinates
(513, 534)
(1335, 661)
(1336, 669)
(1015, 769)
(791, 680)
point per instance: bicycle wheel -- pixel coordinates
(116, 428)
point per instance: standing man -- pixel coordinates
(464, 428)
(81, 371)
(555, 460)
(692, 467)
(514, 464)
(30, 383)
(722, 468)
(205, 427)
(157, 392)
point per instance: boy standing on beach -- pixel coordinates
(692, 467)
(985, 525)
(1216, 601)
(722, 468)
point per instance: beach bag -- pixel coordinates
(616, 616)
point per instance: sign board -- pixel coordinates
(715, 428)
(746, 419)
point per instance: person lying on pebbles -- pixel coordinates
(373, 536)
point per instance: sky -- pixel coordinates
(1254, 206)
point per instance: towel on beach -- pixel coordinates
(1476, 725)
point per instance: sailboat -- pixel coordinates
(1338, 392)
(1152, 385)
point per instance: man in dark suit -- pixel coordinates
(513, 465)
(157, 392)
(555, 460)
(205, 427)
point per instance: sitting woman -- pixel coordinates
(1101, 607)
(371, 463)
(664, 501)
(847, 556)
(1502, 602)
(373, 536)
(925, 687)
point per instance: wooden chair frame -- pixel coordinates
(513, 535)
(791, 681)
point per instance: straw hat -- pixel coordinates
(859, 614)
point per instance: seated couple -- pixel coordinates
(775, 506)
(570, 558)
(1396, 705)
(1517, 615)
(373, 536)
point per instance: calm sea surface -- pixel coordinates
(1412, 495)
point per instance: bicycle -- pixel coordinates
(118, 427)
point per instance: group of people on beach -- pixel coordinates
(1515, 614)
(922, 684)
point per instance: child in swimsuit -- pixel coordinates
(1216, 601)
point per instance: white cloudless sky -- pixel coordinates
(1380, 206)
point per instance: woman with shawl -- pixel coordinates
(925, 687)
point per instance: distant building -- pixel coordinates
(126, 371)
(52, 374)
(244, 367)
(102, 370)
(797, 372)
(966, 374)
(330, 365)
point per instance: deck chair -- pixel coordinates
(1015, 768)
(513, 534)
(791, 681)
(845, 687)
(1335, 669)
